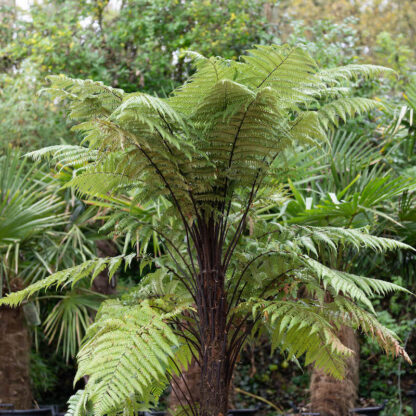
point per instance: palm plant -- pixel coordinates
(400, 135)
(38, 237)
(354, 190)
(212, 150)
(29, 209)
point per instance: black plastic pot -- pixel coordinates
(231, 412)
(412, 395)
(242, 412)
(53, 407)
(369, 411)
(29, 412)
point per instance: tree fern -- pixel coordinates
(212, 152)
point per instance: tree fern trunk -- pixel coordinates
(14, 359)
(211, 306)
(214, 386)
(331, 397)
(187, 388)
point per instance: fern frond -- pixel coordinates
(343, 109)
(359, 238)
(71, 276)
(88, 98)
(360, 319)
(128, 351)
(289, 71)
(65, 155)
(187, 98)
(307, 129)
(77, 404)
(353, 71)
(302, 328)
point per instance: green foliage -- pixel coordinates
(330, 43)
(77, 403)
(286, 267)
(400, 135)
(381, 378)
(68, 276)
(396, 53)
(211, 151)
(37, 237)
(156, 135)
(128, 353)
(29, 120)
(139, 44)
(29, 208)
(70, 318)
(42, 376)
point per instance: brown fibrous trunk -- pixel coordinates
(14, 359)
(102, 283)
(185, 389)
(332, 397)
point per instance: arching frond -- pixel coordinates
(71, 276)
(290, 72)
(129, 351)
(353, 71)
(302, 328)
(344, 108)
(65, 155)
(358, 238)
(91, 98)
(77, 404)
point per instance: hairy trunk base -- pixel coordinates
(188, 388)
(214, 387)
(14, 359)
(331, 397)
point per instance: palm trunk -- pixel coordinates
(14, 359)
(102, 284)
(331, 397)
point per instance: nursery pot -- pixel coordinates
(412, 395)
(370, 411)
(242, 412)
(30, 412)
(231, 412)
